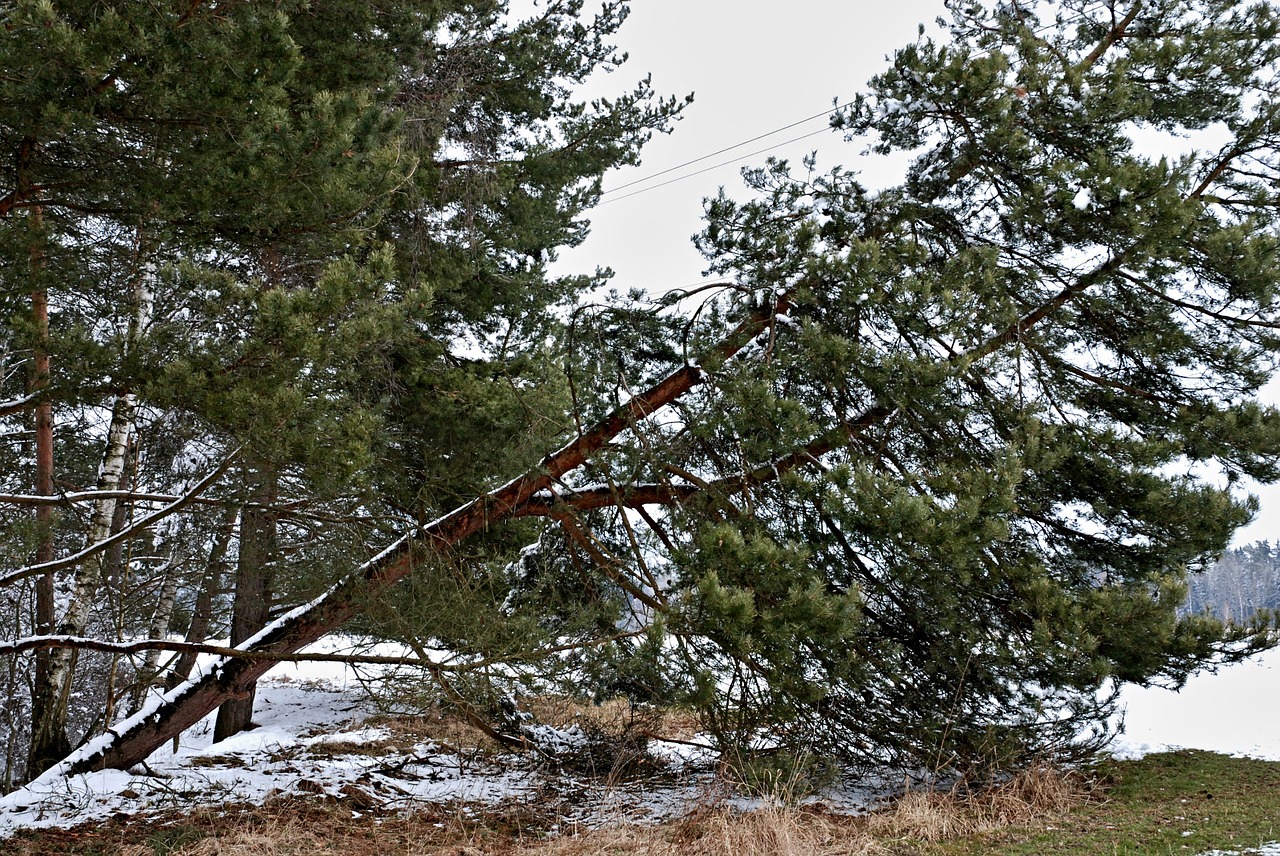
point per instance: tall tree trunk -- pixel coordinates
(50, 721)
(48, 742)
(252, 605)
(50, 701)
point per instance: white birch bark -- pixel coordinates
(89, 574)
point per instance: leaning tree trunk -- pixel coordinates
(252, 605)
(133, 740)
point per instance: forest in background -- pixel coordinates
(1246, 579)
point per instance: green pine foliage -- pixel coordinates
(931, 515)
(951, 498)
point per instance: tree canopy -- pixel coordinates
(915, 483)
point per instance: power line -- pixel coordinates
(729, 149)
(1042, 29)
(738, 159)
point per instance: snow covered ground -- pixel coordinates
(313, 738)
(1232, 711)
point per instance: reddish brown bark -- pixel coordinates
(521, 497)
(49, 740)
(255, 565)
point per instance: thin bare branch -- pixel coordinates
(128, 532)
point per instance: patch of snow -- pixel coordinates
(1083, 199)
(556, 740)
(1232, 711)
(308, 716)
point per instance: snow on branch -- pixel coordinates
(17, 405)
(86, 643)
(132, 740)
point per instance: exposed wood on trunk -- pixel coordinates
(525, 495)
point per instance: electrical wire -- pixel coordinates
(659, 174)
(824, 113)
(707, 169)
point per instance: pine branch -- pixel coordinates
(1113, 35)
(85, 643)
(17, 405)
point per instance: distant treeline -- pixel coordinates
(1245, 580)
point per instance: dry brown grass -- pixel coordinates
(1029, 796)
(769, 832)
(616, 721)
(615, 718)
(294, 826)
(775, 831)
(448, 731)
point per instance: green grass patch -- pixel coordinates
(1183, 802)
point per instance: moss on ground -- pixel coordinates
(1184, 802)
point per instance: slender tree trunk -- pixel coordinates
(148, 674)
(12, 710)
(49, 722)
(114, 558)
(251, 608)
(202, 612)
(48, 742)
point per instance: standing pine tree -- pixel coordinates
(1002, 382)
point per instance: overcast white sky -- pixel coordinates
(753, 68)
